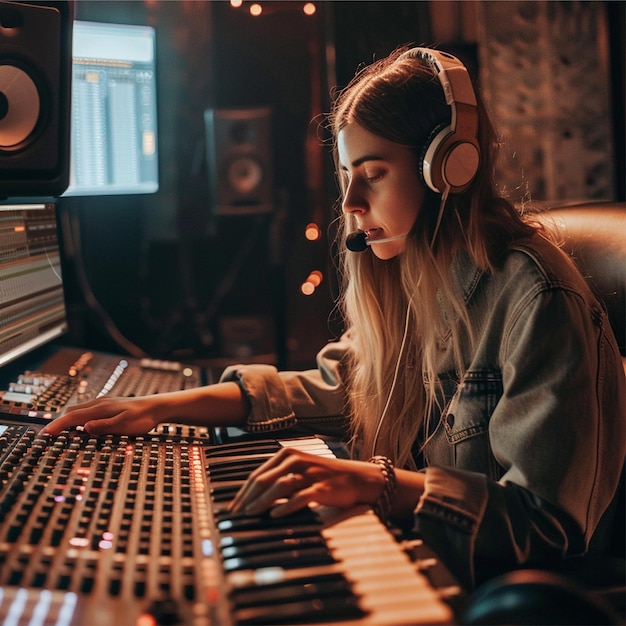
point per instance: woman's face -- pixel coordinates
(383, 191)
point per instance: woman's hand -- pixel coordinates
(222, 404)
(292, 479)
(123, 416)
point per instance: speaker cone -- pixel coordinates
(20, 107)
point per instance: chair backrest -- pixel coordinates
(595, 235)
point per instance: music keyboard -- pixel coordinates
(372, 577)
(116, 530)
(379, 584)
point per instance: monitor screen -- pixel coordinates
(114, 113)
(32, 305)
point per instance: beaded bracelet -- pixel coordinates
(382, 507)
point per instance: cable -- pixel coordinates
(442, 205)
(394, 380)
(91, 299)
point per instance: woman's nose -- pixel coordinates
(353, 202)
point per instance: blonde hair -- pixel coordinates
(392, 374)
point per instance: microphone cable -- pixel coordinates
(394, 380)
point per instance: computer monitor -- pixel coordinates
(32, 305)
(114, 112)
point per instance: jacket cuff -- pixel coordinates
(448, 516)
(270, 408)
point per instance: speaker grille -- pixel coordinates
(239, 160)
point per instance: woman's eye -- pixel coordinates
(373, 176)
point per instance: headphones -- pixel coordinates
(451, 155)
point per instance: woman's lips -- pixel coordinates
(373, 233)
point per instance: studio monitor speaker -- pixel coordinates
(35, 90)
(239, 159)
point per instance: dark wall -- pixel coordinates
(162, 267)
(364, 31)
(616, 18)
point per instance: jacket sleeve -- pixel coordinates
(311, 401)
(558, 436)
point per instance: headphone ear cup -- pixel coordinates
(461, 161)
(447, 162)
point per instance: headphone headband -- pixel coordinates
(451, 155)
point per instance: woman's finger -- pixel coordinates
(274, 479)
(107, 416)
(284, 487)
(259, 482)
(68, 420)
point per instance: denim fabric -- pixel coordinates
(526, 456)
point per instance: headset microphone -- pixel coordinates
(358, 241)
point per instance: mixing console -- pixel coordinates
(73, 376)
(115, 530)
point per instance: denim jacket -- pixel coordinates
(528, 451)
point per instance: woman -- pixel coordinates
(478, 372)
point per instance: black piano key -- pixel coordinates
(305, 557)
(335, 586)
(252, 461)
(248, 447)
(231, 474)
(225, 491)
(306, 611)
(264, 547)
(220, 507)
(234, 523)
(296, 517)
(268, 534)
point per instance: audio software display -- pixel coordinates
(114, 114)
(32, 307)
